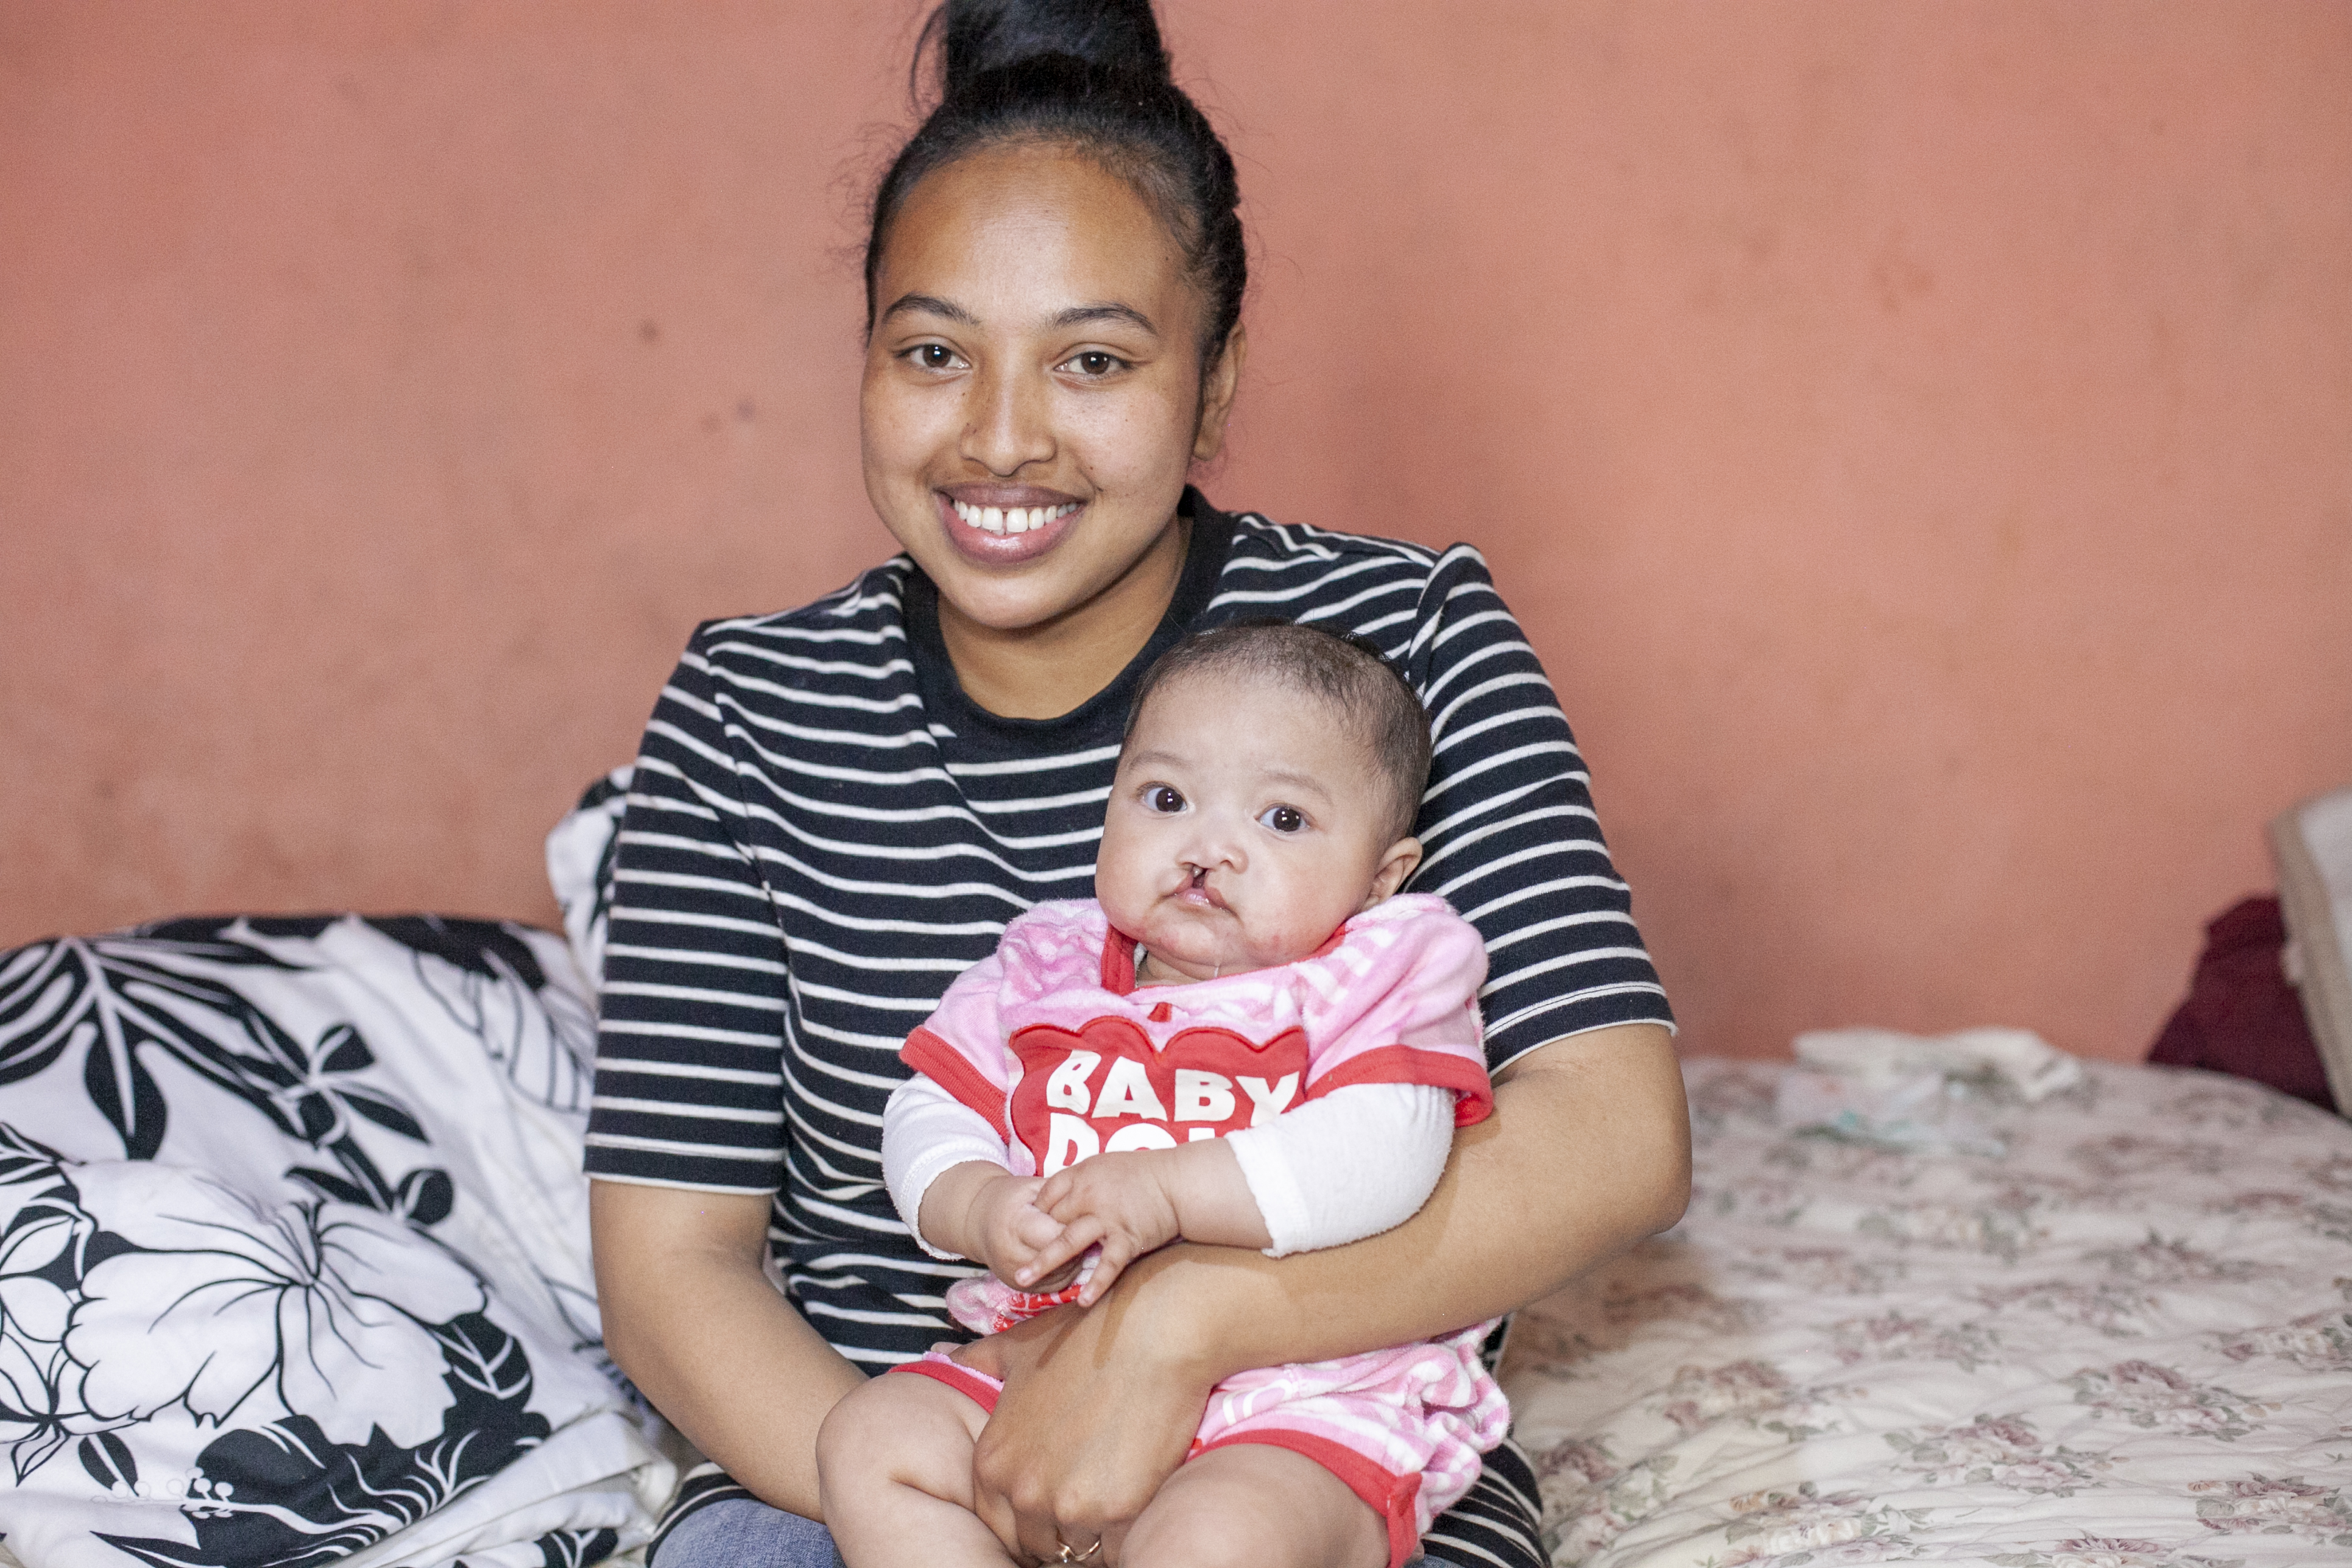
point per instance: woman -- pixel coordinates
(837, 809)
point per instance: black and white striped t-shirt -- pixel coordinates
(822, 832)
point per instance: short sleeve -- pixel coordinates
(960, 1047)
(689, 1043)
(1396, 1002)
(1508, 830)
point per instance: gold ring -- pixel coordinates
(1069, 1556)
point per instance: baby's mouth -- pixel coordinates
(1009, 519)
(1198, 893)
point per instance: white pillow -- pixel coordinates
(2313, 845)
(580, 869)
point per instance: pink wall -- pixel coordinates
(1918, 436)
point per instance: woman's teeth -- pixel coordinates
(1011, 518)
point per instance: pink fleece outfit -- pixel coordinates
(1049, 1041)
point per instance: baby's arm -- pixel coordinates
(1350, 1165)
(946, 1170)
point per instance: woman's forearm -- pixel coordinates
(1587, 1151)
(692, 1320)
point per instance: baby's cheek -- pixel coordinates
(1123, 894)
(1293, 922)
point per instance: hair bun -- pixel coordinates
(976, 37)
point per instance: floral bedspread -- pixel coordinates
(294, 1254)
(2124, 1343)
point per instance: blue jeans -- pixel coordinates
(744, 1533)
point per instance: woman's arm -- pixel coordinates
(1587, 1152)
(692, 1320)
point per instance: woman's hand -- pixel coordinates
(1099, 1408)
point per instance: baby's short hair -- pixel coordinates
(1347, 672)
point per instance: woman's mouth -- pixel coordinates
(1009, 519)
(984, 530)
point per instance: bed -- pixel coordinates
(2123, 1342)
(294, 1270)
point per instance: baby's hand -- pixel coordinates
(1009, 1232)
(1126, 1202)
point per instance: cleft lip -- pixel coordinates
(1198, 891)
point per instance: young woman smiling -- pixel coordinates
(837, 809)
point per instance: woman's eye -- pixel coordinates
(1284, 818)
(932, 356)
(1163, 799)
(1094, 364)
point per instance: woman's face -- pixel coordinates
(1033, 396)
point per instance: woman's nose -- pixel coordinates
(1008, 425)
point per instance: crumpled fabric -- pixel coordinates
(1913, 1093)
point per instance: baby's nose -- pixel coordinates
(1214, 845)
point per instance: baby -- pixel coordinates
(1244, 1040)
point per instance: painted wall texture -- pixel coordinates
(1918, 437)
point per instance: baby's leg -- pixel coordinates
(1251, 1505)
(894, 1471)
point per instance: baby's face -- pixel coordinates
(1245, 824)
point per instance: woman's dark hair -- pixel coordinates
(1347, 673)
(1090, 75)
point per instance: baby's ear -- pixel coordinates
(1397, 863)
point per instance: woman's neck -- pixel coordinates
(1046, 670)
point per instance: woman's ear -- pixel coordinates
(1397, 863)
(1217, 389)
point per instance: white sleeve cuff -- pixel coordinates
(1353, 1164)
(926, 1133)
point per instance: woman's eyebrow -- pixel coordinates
(1081, 315)
(931, 305)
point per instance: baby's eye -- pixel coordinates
(1162, 798)
(1094, 364)
(932, 356)
(1284, 818)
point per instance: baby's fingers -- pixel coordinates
(1073, 1239)
(1118, 1252)
(1057, 1190)
(1034, 1228)
(1059, 1279)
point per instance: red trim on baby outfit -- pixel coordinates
(1119, 963)
(1474, 1096)
(1386, 1493)
(976, 1386)
(946, 1067)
